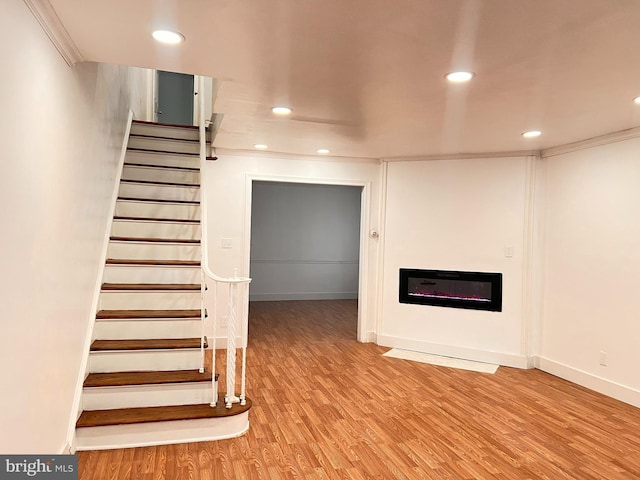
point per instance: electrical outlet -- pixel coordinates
(604, 358)
(224, 321)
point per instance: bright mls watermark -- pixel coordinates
(50, 467)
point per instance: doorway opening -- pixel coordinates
(305, 242)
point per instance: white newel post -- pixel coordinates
(214, 321)
(230, 397)
(203, 288)
(244, 331)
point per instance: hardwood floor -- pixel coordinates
(325, 407)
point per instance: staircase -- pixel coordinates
(148, 382)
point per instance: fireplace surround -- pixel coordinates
(449, 288)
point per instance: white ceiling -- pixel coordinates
(366, 77)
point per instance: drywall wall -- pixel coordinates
(592, 268)
(61, 132)
(457, 215)
(229, 183)
(305, 241)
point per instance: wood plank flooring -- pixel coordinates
(327, 407)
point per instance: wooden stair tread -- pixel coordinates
(166, 263)
(119, 379)
(164, 137)
(146, 344)
(159, 124)
(171, 152)
(169, 167)
(124, 314)
(160, 183)
(155, 240)
(127, 416)
(151, 286)
(157, 219)
(158, 200)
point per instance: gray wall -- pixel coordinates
(305, 241)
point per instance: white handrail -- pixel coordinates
(234, 283)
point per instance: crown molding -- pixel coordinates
(463, 156)
(619, 136)
(48, 19)
(293, 156)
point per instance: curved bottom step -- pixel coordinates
(164, 432)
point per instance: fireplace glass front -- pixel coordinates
(448, 288)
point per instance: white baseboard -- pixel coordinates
(486, 356)
(69, 448)
(370, 337)
(588, 380)
(273, 297)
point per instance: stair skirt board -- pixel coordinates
(150, 274)
(146, 329)
(134, 190)
(162, 433)
(164, 144)
(139, 360)
(169, 131)
(168, 210)
(132, 228)
(136, 172)
(166, 159)
(135, 396)
(155, 251)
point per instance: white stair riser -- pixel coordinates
(165, 131)
(111, 300)
(162, 433)
(166, 145)
(144, 360)
(130, 228)
(134, 396)
(153, 251)
(155, 274)
(163, 159)
(134, 190)
(160, 174)
(146, 329)
(157, 210)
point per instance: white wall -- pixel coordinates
(61, 131)
(229, 181)
(305, 241)
(592, 268)
(457, 215)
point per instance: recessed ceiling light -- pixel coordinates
(261, 146)
(168, 37)
(532, 134)
(323, 151)
(637, 100)
(281, 110)
(459, 77)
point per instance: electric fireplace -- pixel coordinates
(448, 288)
